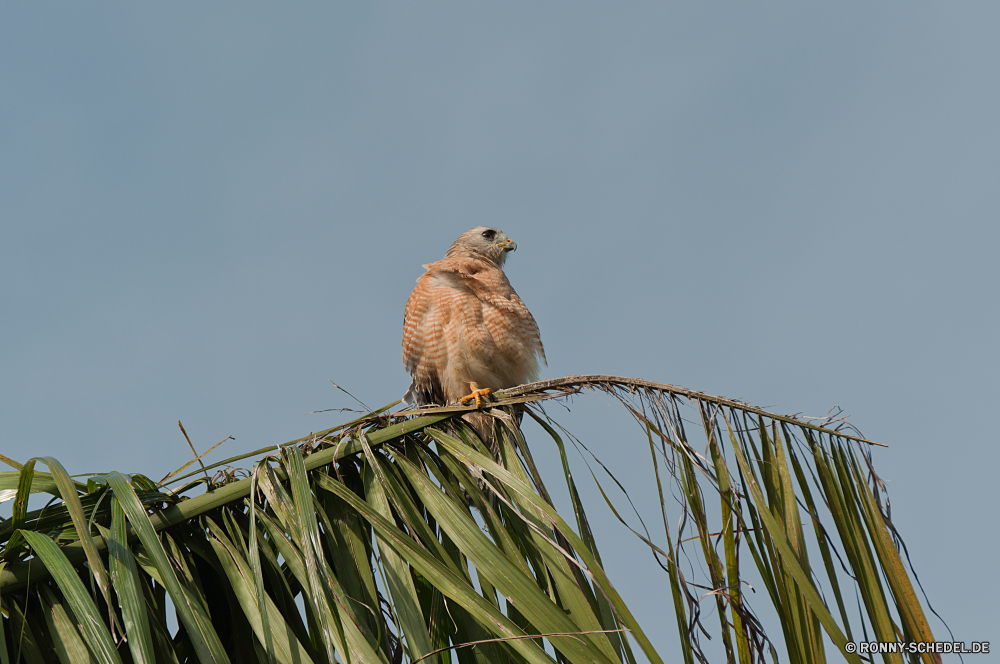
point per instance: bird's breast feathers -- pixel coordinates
(464, 323)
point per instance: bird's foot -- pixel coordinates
(476, 394)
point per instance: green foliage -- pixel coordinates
(402, 537)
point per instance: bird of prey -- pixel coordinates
(465, 330)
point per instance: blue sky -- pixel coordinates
(208, 212)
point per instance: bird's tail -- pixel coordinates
(483, 425)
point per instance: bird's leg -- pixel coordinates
(477, 394)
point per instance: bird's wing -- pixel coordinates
(418, 326)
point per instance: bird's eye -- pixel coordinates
(490, 234)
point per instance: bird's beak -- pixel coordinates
(509, 245)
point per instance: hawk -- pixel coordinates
(465, 330)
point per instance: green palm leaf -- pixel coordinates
(400, 537)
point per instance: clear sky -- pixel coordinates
(209, 211)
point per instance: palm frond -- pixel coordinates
(402, 537)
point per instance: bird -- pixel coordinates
(466, 333)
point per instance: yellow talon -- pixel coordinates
(477, 394)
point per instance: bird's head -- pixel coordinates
(483, 241)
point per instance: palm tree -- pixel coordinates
(401, 537)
